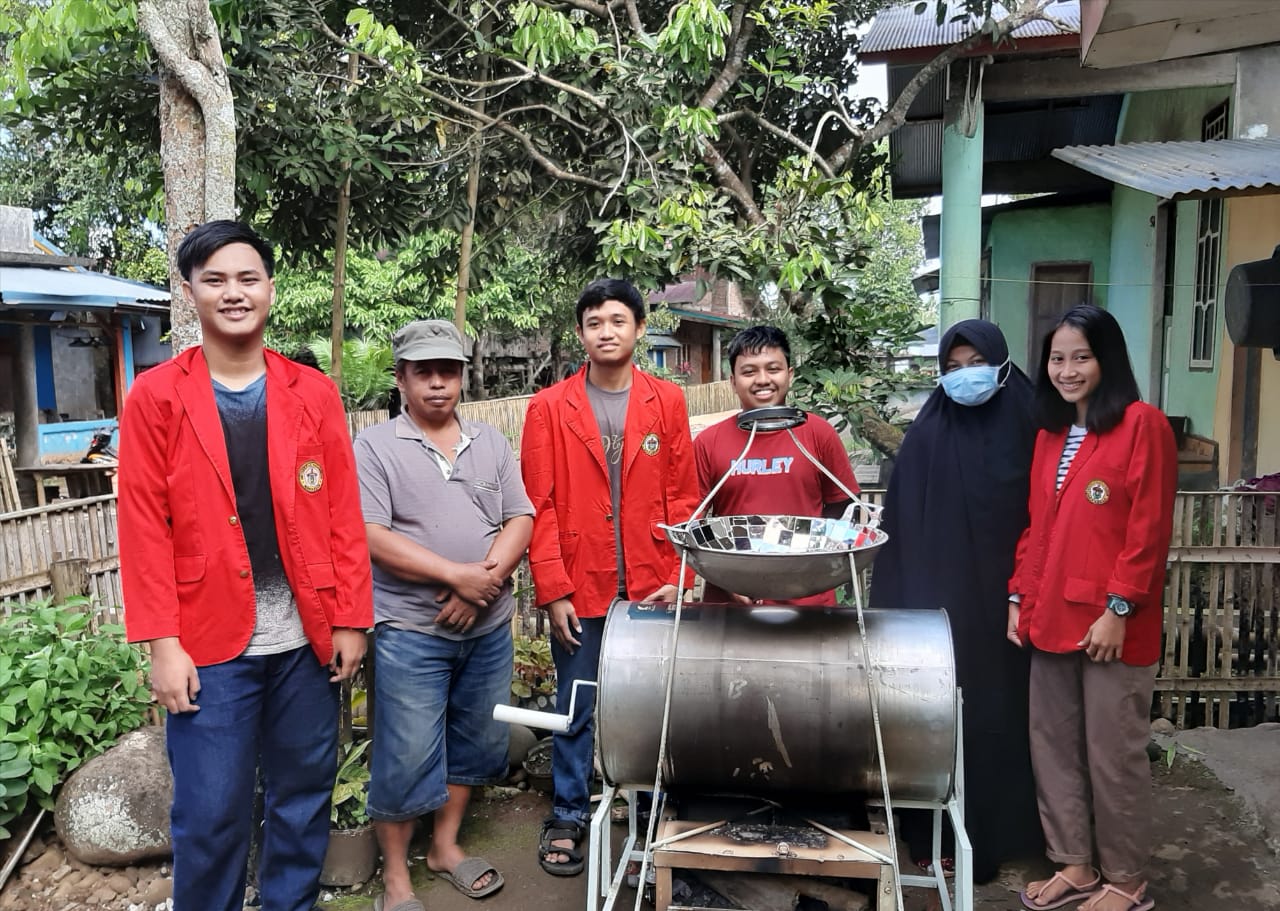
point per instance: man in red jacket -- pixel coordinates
(606, 457)
(244, 563)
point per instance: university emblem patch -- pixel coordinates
(650, 445)
(1097, 492)
(310, 476)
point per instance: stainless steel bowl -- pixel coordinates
(775, 557)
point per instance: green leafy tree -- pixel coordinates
(697, 134)
(854, 322)
(661, 135)
(368, 371)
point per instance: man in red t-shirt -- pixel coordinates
(774, 478)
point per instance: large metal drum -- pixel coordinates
(775, 700)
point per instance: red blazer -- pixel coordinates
(1105, 532)
(567, 479)
(183, 560)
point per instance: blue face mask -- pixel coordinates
(971, 385)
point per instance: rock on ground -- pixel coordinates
(115, 808)
(521, 742)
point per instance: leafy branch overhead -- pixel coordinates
(684, 134)
(591, 107)
(651, 138)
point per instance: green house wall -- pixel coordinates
(1163, 364)
(1021, 238)
(1131, 297)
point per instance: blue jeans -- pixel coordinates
(573, 752)
(279, 710)
(433, 711)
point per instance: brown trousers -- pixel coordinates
(1090, 724)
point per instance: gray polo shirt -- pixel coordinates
(402, 488)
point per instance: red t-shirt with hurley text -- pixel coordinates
(774, 478)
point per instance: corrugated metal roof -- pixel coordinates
(1173, 170)
(900, 27)
(31, 286)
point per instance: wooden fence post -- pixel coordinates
(69, 578)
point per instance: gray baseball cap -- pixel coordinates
(429, 340)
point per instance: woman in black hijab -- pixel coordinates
(956, 505)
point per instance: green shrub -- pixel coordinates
(349, 809)
(534, 673)
(66, 694)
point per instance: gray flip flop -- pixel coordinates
(467, 872)
(410, 904)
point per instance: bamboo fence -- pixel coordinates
(9, 501)
(507, 414)
(1221, 663)
(66, 548)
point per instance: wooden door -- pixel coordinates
(1055, 289)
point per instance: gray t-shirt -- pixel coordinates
(610, 409)
(276, 625)
(402, 488)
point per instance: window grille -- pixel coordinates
(1204, 311)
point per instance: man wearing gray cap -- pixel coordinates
(448, 521)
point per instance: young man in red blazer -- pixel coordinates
(606, 457)
(244, 563)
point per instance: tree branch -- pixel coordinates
(730, 183)
(633, 16)
(896, 115)
(785, 136)
(599, 103)
(742, 30)
(553, 168)
(595, 9)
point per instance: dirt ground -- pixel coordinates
(1211, 852)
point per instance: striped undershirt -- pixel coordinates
(1075, 436)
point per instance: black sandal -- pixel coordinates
(561, 830)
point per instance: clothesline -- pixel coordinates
(1045, 281)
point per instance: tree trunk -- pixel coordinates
(338, 327)
(464, 249)
(469, 230)
(197, 133)
(478, 367)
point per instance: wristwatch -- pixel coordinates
(1119, 606)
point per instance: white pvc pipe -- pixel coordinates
(552, 721)
(515, 715)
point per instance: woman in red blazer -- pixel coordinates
(1086, 597)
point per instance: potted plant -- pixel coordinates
(533, 680)
(352, 857)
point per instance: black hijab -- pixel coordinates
(957, 502)
(956, 505)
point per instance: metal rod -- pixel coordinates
(20, 849)
(821, 467)
(672, 839)
(873, 696)
(655, 810)
(714, 490)
(871, 512)
(852, 842)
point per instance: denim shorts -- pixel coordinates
(433, 718)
